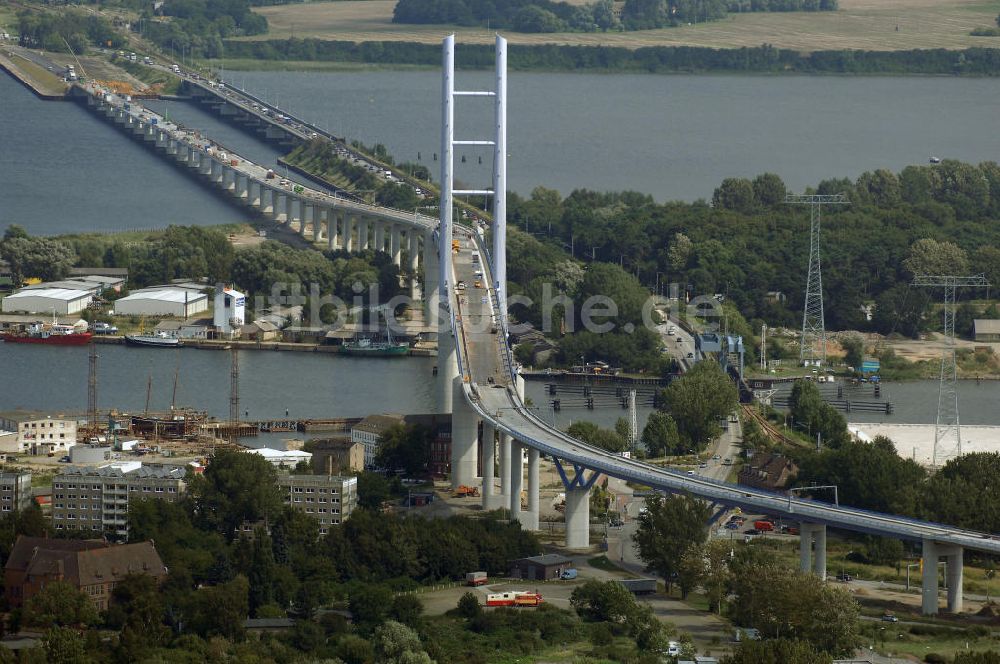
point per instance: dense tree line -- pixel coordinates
(549, 16)
(65, 30)
(199, 26)
(653, 59)
(874, 476)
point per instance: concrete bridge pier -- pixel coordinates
(228, 179)
(332, 217)
(577, 511)
(320, 216)
(430, 270)
(516, 479)
(464, 438)
(808, 533)
(289, 210)
(242, 187)
(254, 193)
(216, 171)
(379, 235)
(489, 459)
(267, 201)
(347, 241)
(193, 160)
(414, 253)
(578, 518)
(363, 232)
(529, 519)
(505, 445)
(395, 246)
(305, 215)
(953, 555)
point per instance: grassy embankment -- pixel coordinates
(44, 80)
(858, 24)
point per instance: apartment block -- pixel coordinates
(15, 491)
(329, 499)
(97, 499)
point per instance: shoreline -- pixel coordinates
(290, 346)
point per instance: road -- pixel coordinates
(489, 373)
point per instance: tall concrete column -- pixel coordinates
(254, 194)
(267, 201)
(464, 438)
(530, 520)
(954, 575)
(305, 211)
(504, 444)
(331, 228)
(363, 232)
(447, 365)
(489, 447)
(395, 248)
(516, 479)
(578, 518)
(414, 254)
(347, 242)
(805, 547)
(414, 250)
(929, 579)
(379, 235)
(289, 210)
(242, 186)
(819, 559)
(319, 219)
(192, 158)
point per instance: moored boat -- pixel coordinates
(43, 333)
(160, 340)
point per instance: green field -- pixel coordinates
(858, 24)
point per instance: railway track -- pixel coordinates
(771, 431)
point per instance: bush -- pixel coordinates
(934, 658)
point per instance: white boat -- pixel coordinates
(159, 340)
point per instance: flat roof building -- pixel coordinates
(329, 499)
(283, 458)
(62, 301)
(162, 301)
(369, 433)
(15, 492)
(38, 433)
(97, 499)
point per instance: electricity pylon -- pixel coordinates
(813, 348)
(234, 396)
(947, 431)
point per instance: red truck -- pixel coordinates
(476, 579)
(763, 526)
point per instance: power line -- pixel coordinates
(813, 347)
(947, 430)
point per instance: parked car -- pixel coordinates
(753, 531)
(844, 576)
(888, 617)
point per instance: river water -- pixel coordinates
(674, 137)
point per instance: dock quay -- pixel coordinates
(250, 428)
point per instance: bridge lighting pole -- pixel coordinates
(947, 430)
(812, 351)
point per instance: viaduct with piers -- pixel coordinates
(494, 433)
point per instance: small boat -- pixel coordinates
(159, 340)
(368, 348)
(935, 160)
(54, 334)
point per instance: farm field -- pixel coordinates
(858, 24)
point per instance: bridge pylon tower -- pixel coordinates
(947, 430)
(812, 350)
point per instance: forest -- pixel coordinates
(650, 59)
(554, 16)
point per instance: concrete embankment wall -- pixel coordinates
(27, 81)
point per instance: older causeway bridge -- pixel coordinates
(324, 219)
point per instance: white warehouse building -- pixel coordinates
(162, 302)
(63, 301)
